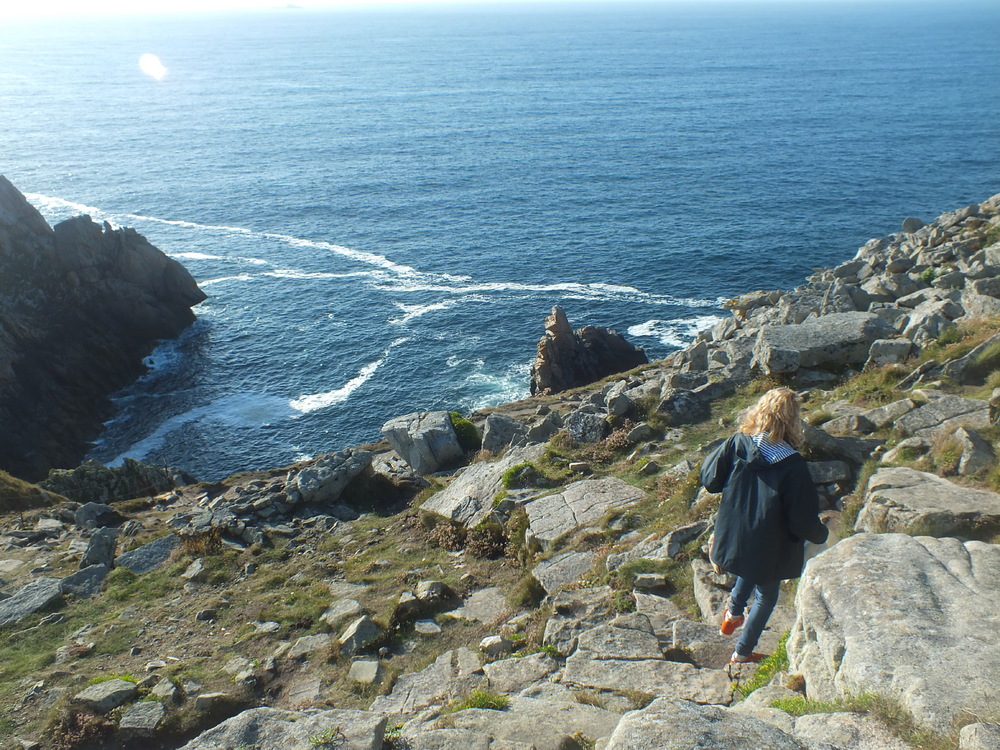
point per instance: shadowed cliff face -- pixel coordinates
(80, 306)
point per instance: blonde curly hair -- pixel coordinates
(776, 413)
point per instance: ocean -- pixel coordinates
(383, 205)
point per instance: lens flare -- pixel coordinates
(151, 66)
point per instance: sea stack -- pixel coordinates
(567, 358)
(81, 305)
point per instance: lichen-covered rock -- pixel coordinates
(944, 413)
(149, 556)
(453, 674)
(526, 723)
(501, 431)
(358, 635)
(908, 618)
(106, 695)
(564, 569)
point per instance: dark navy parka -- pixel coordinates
(767, 511)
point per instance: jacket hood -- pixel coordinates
(746, 449)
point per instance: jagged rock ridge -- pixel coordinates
(80, 306)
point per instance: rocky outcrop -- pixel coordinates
(93, 482)
(914, 502)
(272, 727)
(901, 617)
(838, 338)
(671, 724)
(425, 440)
(81, 305)
(567, 358)
(469, 498)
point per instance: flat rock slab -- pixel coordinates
(143, 717)
(304, 692)
(36, 596)
(469, 498)
(837, 338)
(656, 676)
(944, 413)
(106, 695)
(612, 642)
(340, 611)
(309, 644)
(276, 728)
(149, 556)
(85, 583)
(910, 618)
(511, 676)
(908, 501)
(453, 674)
(563, 570)
(528, 723)
(668, 724)
(486, 605)
(574, 612)
(346, 589)
(580, 504)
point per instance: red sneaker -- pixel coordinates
(730, 623)
(753, 658)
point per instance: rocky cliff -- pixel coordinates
(553, 593)
(81, 305)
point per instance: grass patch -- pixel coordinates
(769, 667)
(896, 719)
(876, 387)
(960, 339)
(480, 699)
(18, 495)
(466, 432)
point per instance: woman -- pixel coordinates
(769, 506)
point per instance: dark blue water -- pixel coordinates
(384, 205)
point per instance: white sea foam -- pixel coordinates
(315, 401)
(415, 311)
(307, 404)
(674, 333)
(568, 289)
(391, 276)
(50, 203)
(492, 388)
(196, 256)
(289, 273)
(224, 279)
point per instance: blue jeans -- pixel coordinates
(765, 597)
